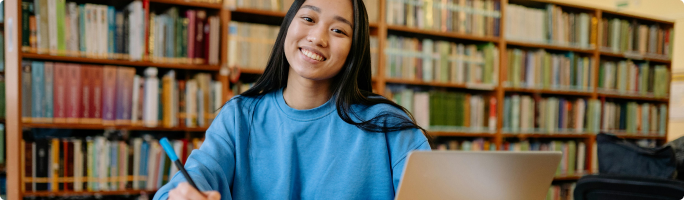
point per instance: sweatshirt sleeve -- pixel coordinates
(212, 166)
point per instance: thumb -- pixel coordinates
(212, 195)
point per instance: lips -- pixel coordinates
(313, 54)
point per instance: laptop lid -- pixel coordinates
(478, 175)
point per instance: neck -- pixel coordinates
(302, 93)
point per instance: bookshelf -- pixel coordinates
(381, 29)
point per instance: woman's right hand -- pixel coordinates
(185, 191)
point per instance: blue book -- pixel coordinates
(113, 163)
(579, 79)
(111, 29)
(81, 27)
(37, 91)
(160, 170)
(144, 150)
(49, 68)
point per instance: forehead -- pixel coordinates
(342, 8)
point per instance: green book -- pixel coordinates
(558, 146)
(572, 157)
(61, 35)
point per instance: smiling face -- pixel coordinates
(319, 38)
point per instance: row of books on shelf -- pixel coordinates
(448, 111)
(477, 144)
(249, 44)
(111, 95)
(101, 31)
(534, 114)
(475, 17)
(441, 61)
(563, 191)
(636, 39)
(551, 25)
(100, 163)
(640, 79)
(543, 70)
(635, 118)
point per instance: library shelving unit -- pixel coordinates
(380, 29)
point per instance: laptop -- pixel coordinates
(478, 175)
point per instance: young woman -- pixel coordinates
(309, 128)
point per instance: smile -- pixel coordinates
(312, 55)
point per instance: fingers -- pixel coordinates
(184, 191)
(212, 195)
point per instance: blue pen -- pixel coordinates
(172, 155)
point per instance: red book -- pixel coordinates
(86, 117)
(190, 14)
(207, 31)
(73, 94)
(185, 150)
(199, 39)
(59, 92)
(96, 94)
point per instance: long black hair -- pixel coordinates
(351, 86)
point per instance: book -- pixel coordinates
(247, 42)
(551, 25)
(534, 114)
(26, 111)
(633, 78)
(477, 144)
(637, 39)
(539, 70)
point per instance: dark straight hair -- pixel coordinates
(351, 86)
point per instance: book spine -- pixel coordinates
(86, 90)
(74, 89)
(109, 75)
(38, 90)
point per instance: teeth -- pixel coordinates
(312, 55)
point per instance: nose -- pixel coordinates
(318, 36)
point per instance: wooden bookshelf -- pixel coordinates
(190, 3)
(636, 57)
(116, 127)
(438, 84)
(103, 61)
(443, 34)
(633, 97)
(548, 135)
(73, 193)
(14, 126)
(461, 134)
(549, 91)
(548, 46)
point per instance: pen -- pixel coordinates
(172, 155)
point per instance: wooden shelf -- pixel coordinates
(567, 178)
(548, 91)
(438, 84)
(190, 3)
(644, 58)
(443, 34)
(251, 71)
(632, 97)
(102, 61)
(259, 12)
(72, 193)
(460, 134)
(548, 46)
(549, 135)
(102, 127)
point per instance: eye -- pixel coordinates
(338, 31)
(308, 19)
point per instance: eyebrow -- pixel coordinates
(337, 17)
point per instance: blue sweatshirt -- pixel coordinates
(260, 148)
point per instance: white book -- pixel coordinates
(151, 101)
(174, 103)
(152, 165)
(88, 29)
(136, 42)
(579, 120)
(422, 107)
(581, 154)
(191, 103)
(218, 96)
(104, 31)
(96, 25)
(102, 147)
(137, 144)
(78, 166)
(200, 107)
(74, 28)
(52, 25)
